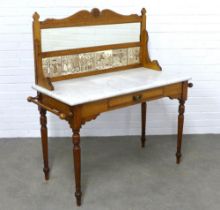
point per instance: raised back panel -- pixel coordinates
(65, 61)
(53, 39)
(76, 51)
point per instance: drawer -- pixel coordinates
(135, 98)
(121, 100)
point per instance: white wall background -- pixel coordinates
(184, 36)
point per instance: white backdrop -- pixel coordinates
(184, 36)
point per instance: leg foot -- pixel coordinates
(77, 165)
(78, 198)
(143, 123)
(44, 141)
(143, 142)
(178, 157)
(46, 173)
(180, 130)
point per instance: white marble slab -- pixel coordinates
(86, 89)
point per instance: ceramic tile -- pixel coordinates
(119, 57)
(70, 64)
(55, 66)
(133, 55)
(103, 59)
(85, 62)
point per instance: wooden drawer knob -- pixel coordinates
(137, 98)
(190, 85)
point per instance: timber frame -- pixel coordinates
(78, 115)
(86, 18)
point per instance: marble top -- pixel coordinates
(87, 89)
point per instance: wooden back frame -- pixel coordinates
(89, 18)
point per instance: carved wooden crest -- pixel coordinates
(93, 17)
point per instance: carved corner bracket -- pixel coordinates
(147, 62)
(93, 117)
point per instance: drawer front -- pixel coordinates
(94, 108)
(120, 100)
(135, 98)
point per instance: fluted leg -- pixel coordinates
(143, 123)
(44, 140)
(180, 129)
(77, 165)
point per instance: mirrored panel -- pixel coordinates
(79, 37)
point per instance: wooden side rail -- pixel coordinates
(61, 115)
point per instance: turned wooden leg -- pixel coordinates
(44, 140)
(77, 165)
(180, 129)
(143, 123)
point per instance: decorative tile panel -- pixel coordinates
(86, 62)
(133, 55)
(119, 57)
(103, 59)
